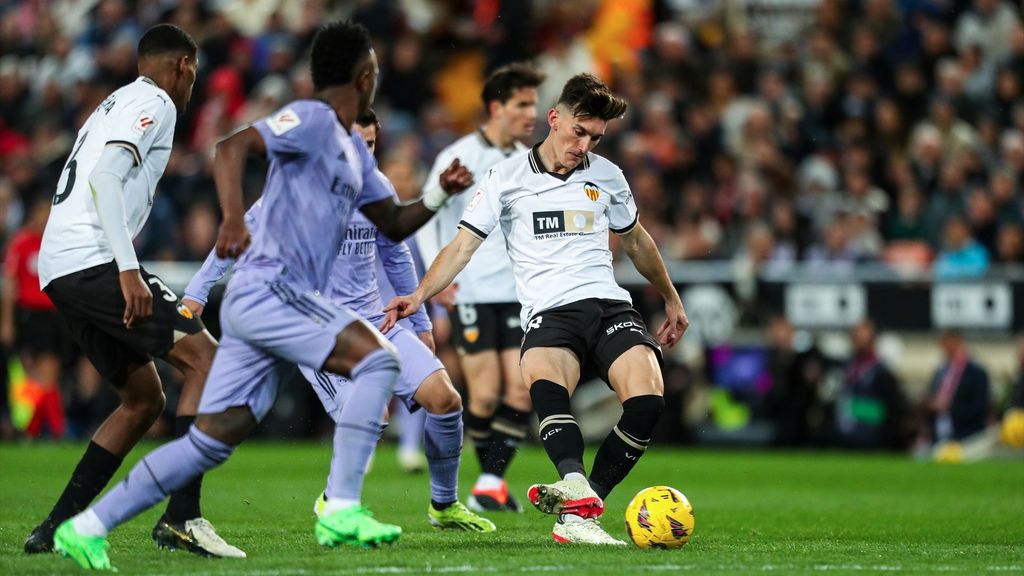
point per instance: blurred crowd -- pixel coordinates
(773, 133)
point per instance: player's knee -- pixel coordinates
(146, 408)
(643, 411)
(484, 404)
(445, 403)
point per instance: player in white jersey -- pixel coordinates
(486, 327)
(555, 205)
(121, 315)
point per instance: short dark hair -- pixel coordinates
(164, 39)
(337, 48)
(368, 118)
(586, 96)
(505, 80)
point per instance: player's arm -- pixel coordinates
(228, 168)
(449, 262)
(197, 292)
(397, 221)
(398, 265)
(106, 184)
(642, 250)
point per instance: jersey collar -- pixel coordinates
(488, 144)
(147, 81)
(538, 167)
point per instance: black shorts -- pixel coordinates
(41, 332)
(597, 331)
(482, 327)
(92, 304)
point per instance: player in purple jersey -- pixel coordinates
(423, 381)
(274, 316)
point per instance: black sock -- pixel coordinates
(184, 502)
(441, 505)
(91, 475)
(508, 430)
(626, 442)
(478, 428)
(559, 432)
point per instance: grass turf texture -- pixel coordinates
(786, 513)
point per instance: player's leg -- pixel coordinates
(481, 369)
(509, 429)
(636, 378)
(410, 437)
(240, 391)
(142, 400)
(628, 357)
(364, 356)
(182, 525)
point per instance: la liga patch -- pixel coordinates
(144, 122)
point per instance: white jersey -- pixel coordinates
(139, 117)
(488, 277)
(556, 227)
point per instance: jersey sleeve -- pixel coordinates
(142, 124)
(484, 208)
(622, 212)
(214, 268)
(289, 132)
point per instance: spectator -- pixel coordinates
(30, 325)
(793, 402)
(871, 409)
(962, 256)
(956, 405)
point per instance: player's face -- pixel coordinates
(366, 83)
(519, 113)
(188, 66)
(369, 134)
(574, 136)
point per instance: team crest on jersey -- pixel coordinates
(283, 121)
(184, 311)
(143, 123)
(471, 334)
(592, 191)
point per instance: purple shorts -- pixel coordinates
(268, 328)
(418, 362)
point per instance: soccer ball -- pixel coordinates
(659, 517)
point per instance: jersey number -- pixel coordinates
(164, 290)
(71, 168)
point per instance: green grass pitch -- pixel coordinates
(784, 513)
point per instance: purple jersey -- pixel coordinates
(359, 276)
(319, 174)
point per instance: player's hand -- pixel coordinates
(456, 178)
(446, 297)
(138, 300)
(428, 340)
(232, 239)
(675, 324)
(194, 306)
(399, 307)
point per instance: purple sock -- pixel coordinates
(360, 424)
(443, 446)
(158, 474)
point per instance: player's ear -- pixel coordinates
(553, 119)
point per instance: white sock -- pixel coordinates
(88, 524)
(335, 504)
(575, 476)
(488, 482)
